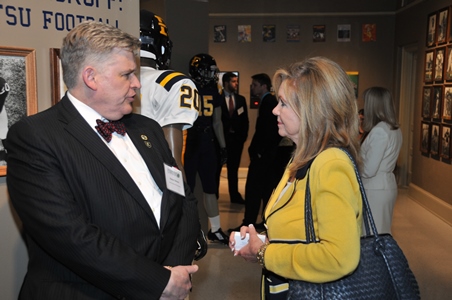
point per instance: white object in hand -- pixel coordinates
(239, 243)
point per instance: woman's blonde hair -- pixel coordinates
(323, 97)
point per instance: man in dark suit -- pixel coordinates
(104, 208)
(263, 152)
(235, 126)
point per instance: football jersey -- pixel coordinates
(210, 99)
(168, 97)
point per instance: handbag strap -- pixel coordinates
(368, 219)
(309, 222)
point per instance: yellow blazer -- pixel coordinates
(337, 214)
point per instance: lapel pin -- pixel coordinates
(144, 137)
(148, 144)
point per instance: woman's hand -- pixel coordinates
(249, 251)
(232, 237)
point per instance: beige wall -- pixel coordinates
(373, 60)
(41, 25)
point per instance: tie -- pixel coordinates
(105, 129)
(231, 105)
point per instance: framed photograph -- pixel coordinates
(448, 64)
(441, 28)
(293, 33)
(58, 88)
(318, 33)
(436, 102)
(431, 30)
(354, 78)
(428, 66)
(244, 33)
(268, 33)
(445, 142)
(369, 32)
(434, 139)
(447, 103)
(439, 64)
(219, 34)
(425, 140)
(18, 91)
(344, 33)
(449, 30)
(427, 101)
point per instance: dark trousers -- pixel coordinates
(201, 158)
(264, 175)
(258, 188)
(234, 149)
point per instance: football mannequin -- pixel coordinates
(201, 151)
(168, 97)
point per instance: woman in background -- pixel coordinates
(317, 111)
(379, 151)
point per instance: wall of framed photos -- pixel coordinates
(295, 36)
(436, 109)
(424, 28)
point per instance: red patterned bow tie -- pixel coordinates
(105, 129)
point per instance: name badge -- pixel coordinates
(240, 111)
(174, 180)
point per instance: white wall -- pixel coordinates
(41, 25)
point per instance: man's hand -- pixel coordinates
(223, 156)
(179, 284)
(201, 251)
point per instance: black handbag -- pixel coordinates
(382, 272)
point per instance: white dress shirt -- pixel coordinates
(227, 96)
(126, 152)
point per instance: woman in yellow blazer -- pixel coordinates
(317, 111)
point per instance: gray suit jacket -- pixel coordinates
(90, 232)
(379, 152)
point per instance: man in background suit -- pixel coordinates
(263, 151)
(104, 208)
(235, 126)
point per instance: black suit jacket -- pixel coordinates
(237, 125)
(266, 138)
(90, 232)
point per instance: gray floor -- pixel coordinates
(425, 239)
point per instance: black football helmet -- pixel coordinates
(155, 39)
(203, 69)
